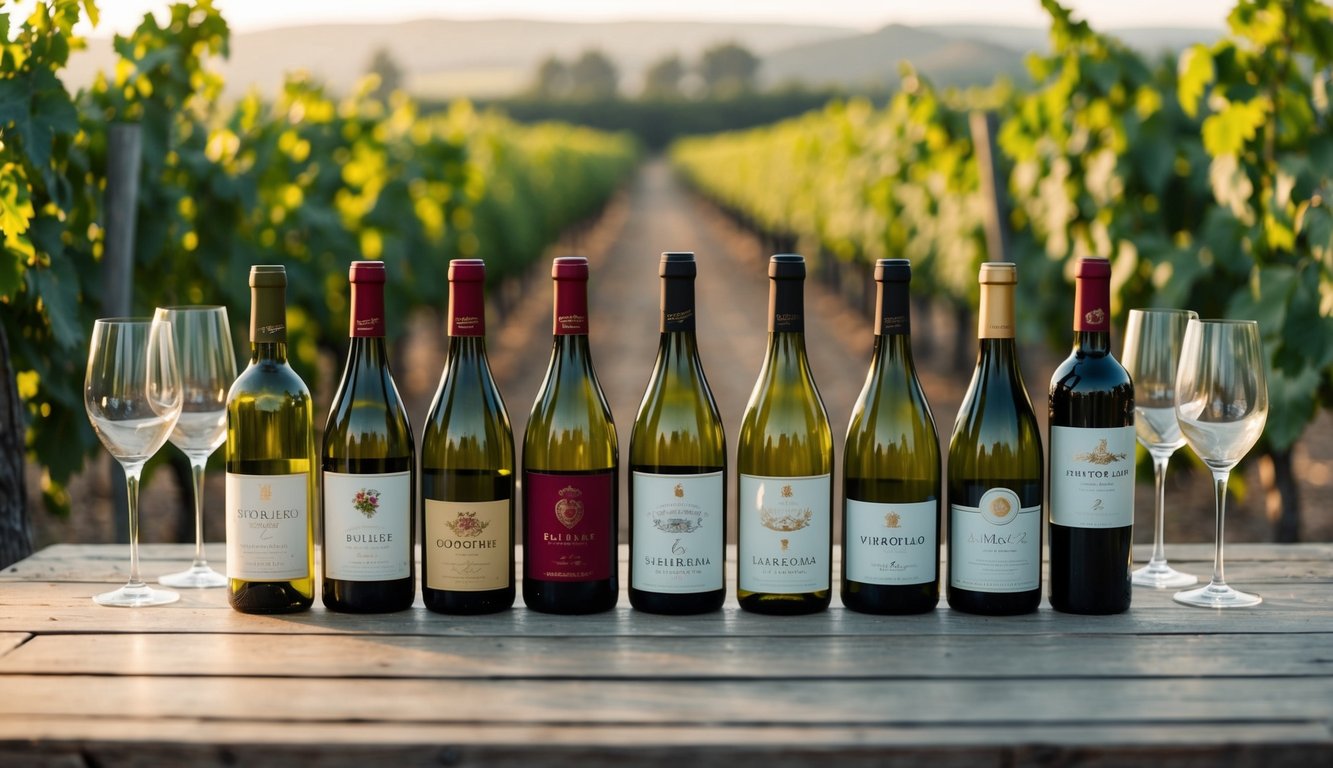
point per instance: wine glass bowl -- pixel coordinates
(132, 393)
(207, 361)
(1222, 406)
(1153, 339)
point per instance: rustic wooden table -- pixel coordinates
(198, 683)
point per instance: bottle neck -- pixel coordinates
(467, 348)
(995, 315)
(1092, 315)
(367, 316)
(893, 326)
(570, 309)
(467, 308)
(268, 323)
(677, 305)
(368, 353)
(786, 307)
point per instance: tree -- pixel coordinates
(593, 77)
(662, 81)
(390, 74)
(552, 80)
(728, 69)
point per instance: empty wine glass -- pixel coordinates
(1222, 405)
(207, 361)
(132, 393)
(1152, 354)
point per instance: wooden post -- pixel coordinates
(124, 150)
(15, 526)
(985, 125)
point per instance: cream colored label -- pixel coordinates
(268, 527)
(468, 544)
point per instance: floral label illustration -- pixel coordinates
(367, 502)
(467, 525)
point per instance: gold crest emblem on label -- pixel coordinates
(786, 491)
(892, 520)
(1095, 317)
(680, 491)
(569, 510)
(266, 492)
(784, 544)
(1001, 507)
(1101, 455)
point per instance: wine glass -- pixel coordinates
(1152, 355)
(207, 362)
(1222, 405)
(132, 393)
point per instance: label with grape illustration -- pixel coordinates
(784, 534)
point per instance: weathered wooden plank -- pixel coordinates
(65, 607)
(11, 640)
(855, 657)
(115, 742)
(774, 702)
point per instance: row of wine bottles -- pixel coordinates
(893, 487)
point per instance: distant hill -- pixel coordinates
(479, 58)
(447, 58)
(872, 60)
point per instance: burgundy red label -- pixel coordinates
(568, 520)
(571, 308)
(467, 309)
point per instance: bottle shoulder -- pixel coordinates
(267, 377)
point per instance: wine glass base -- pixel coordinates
(1162, 576)
(136, 596)
(194, 577)
(1217, 596)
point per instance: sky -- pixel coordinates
(247, 15)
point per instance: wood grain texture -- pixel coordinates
(197, 683)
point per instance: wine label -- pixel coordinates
(1092, 477)
(367, 526)
(268, 527)
(995, 546)
(678, 536)
(891, 543)
(784, 528)
(468, 545)
(568, 521)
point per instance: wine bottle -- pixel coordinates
(369, 469)
(995, 468)
(891, 470)
(270, 456)
(570, 468)
(1092, 460)
(467, 467)
(677, 494)
(784, 466)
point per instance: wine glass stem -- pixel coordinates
(1220, 477)
(132, 489)
(1159, 511)
(197, 469)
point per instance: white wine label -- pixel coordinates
(468, 545)
(891, 543)
(678, 537)
(367, 526)
(996, 546)
(268, 527)
(784, 534)
(1092, 477)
